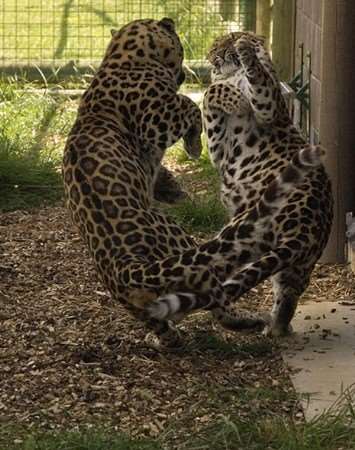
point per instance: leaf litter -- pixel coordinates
(71, 356)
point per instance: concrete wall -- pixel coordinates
(309, 32)
(327, 29)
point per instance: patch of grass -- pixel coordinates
(203, 214)
(333, 430)
(84, 440)
(32, 136)
(326, 432)
(210, 342)
(202, 166)
(26, 185)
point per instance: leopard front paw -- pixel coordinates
(247, 56)
(193, 143)
(245, 48)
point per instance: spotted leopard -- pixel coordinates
(251, 139)
(128, 116)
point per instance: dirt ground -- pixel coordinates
(69, 355)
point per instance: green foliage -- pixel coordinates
(203, 211)
(201, 215)
(85, 440)
(31, 140)
(211, 343)
(79, 31)
(331, 431)
(334, 430)
(198, 25)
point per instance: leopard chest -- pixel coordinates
(246, 157)
(251, 158)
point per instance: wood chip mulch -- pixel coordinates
(70, 356)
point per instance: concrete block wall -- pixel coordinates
(309, 32)
(327, 30)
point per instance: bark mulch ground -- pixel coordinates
(70, 356)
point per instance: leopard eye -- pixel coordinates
(232, 57)
(218, 61)
(228, 56)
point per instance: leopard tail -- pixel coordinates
(227, 244)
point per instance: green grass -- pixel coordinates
(32, 137)
(334, 430)
(84, 440)
(202, 215)
(324, 433)
(202, 212)
(211, 343)
(33, 130)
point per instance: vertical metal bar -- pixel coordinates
(54, 37)
(91, 25)
(78, 31)
(103, 28)
(28, 32)
(301, 47)
(15, 27)
(3, 32)
(309, 112)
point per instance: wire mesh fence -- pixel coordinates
(56, 32)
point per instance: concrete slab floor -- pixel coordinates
(321, 352)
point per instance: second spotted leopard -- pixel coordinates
(251, 139)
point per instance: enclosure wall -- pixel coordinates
(327, 28)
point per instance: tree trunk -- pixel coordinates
(263, 19)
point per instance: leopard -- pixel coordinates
(167, 188)
(251, 138)
(128, 116)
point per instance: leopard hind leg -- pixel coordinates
(176, 306)
(288, 286)
(162, 334)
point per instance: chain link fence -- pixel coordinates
(69, 34)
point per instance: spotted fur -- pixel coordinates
(127, 117)
(251, 139)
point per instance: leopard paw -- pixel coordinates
(171, 343)
(193, 143)
(277, 330)
(244, 47)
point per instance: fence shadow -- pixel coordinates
(43, 131)
(106, 19)
(63, 30)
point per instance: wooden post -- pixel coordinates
(263, 19)
(283, 37)
(247, 10)
(227, 9)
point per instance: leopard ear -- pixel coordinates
(168, 24)
(113, 31)
(261, 39)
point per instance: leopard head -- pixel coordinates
(223, 55)
(146, 40)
